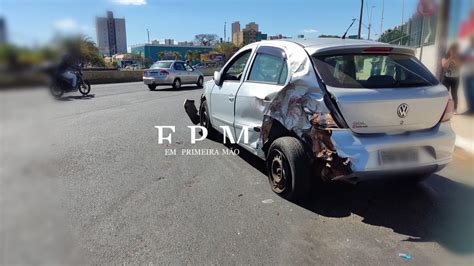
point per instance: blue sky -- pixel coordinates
(36, 21)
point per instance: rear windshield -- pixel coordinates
(373, 71)
(162, 65)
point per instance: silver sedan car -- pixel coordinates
(172, 72)
(330, 109)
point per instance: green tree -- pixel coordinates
(391, 35)
(161, 55)
(176, 55)
(228, 49)
(84, 47)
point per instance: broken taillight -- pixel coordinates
(448, 111)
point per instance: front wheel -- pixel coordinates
(85, 87)
(205, 121)
(288, 169)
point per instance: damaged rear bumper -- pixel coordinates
(435, 147)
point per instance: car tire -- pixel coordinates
(288, 169)
(176, 84)
(200, 82)
(205, 121)
(152, 87)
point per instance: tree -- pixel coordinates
(329, 36)
(161, 55)
(176, 55)
(228, 49)
(391, 35)
(83, 47)
(193, 55)
(206, 39)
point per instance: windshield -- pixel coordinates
(373, 71)
(162, 65)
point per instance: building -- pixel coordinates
(169, 42)
(235, 31)
(3, 31)
(247, 35)
(111, 35)
(155, 52)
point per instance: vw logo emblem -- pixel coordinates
(402, 110)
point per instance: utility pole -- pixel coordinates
(381, 19)
(370, 21)
(360, 18)
(148, 33)
(403, 12)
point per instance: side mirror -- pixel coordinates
(217, 78)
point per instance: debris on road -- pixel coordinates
(405, 256)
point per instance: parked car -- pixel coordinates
(172, 72)
(331, 109)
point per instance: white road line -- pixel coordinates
(465, 144)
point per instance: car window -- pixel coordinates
(179, 66)
(236, 68)
(161, 65)
(268, 68)
(373, 71)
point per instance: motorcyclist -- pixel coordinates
(67, 68)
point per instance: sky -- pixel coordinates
(35, 22)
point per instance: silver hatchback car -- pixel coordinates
(172, 72)
(331, 109)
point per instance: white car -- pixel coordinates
(172, 72)
(331, 109)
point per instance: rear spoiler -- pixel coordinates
(365, 49)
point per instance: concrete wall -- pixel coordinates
(429, 57)
(113, 76)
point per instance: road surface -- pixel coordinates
(85, 181)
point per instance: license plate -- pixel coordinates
(398, 156)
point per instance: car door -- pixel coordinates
(223, 96)
(181, 71)
(267, 76)
(191, 74)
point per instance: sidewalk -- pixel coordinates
(463, 125)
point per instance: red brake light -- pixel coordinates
(164, 72)
(449, 111)
(380, 50)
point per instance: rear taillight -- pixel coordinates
(377, 50)
(449, 111)
(145, 73)
(164, 72)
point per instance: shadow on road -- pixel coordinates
(436, 210)
(182, 88)
(77, 97)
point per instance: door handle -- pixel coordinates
(231, 98)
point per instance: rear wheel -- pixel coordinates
(152, 87)
(200, 82)
(288, 169)
(85, 87)
(176, 84)
(56, 91)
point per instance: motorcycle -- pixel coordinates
(60, 85)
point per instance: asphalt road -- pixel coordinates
(85, 181)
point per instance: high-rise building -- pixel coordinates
(111, 35)
(169, 42)
(3, 30)
(235, 32)
(247, 35)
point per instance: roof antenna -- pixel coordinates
(345, 33)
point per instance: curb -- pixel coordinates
(465, 144)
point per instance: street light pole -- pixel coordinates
(148, 33)
(360, 18)
(370, 21)
(381, 19)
